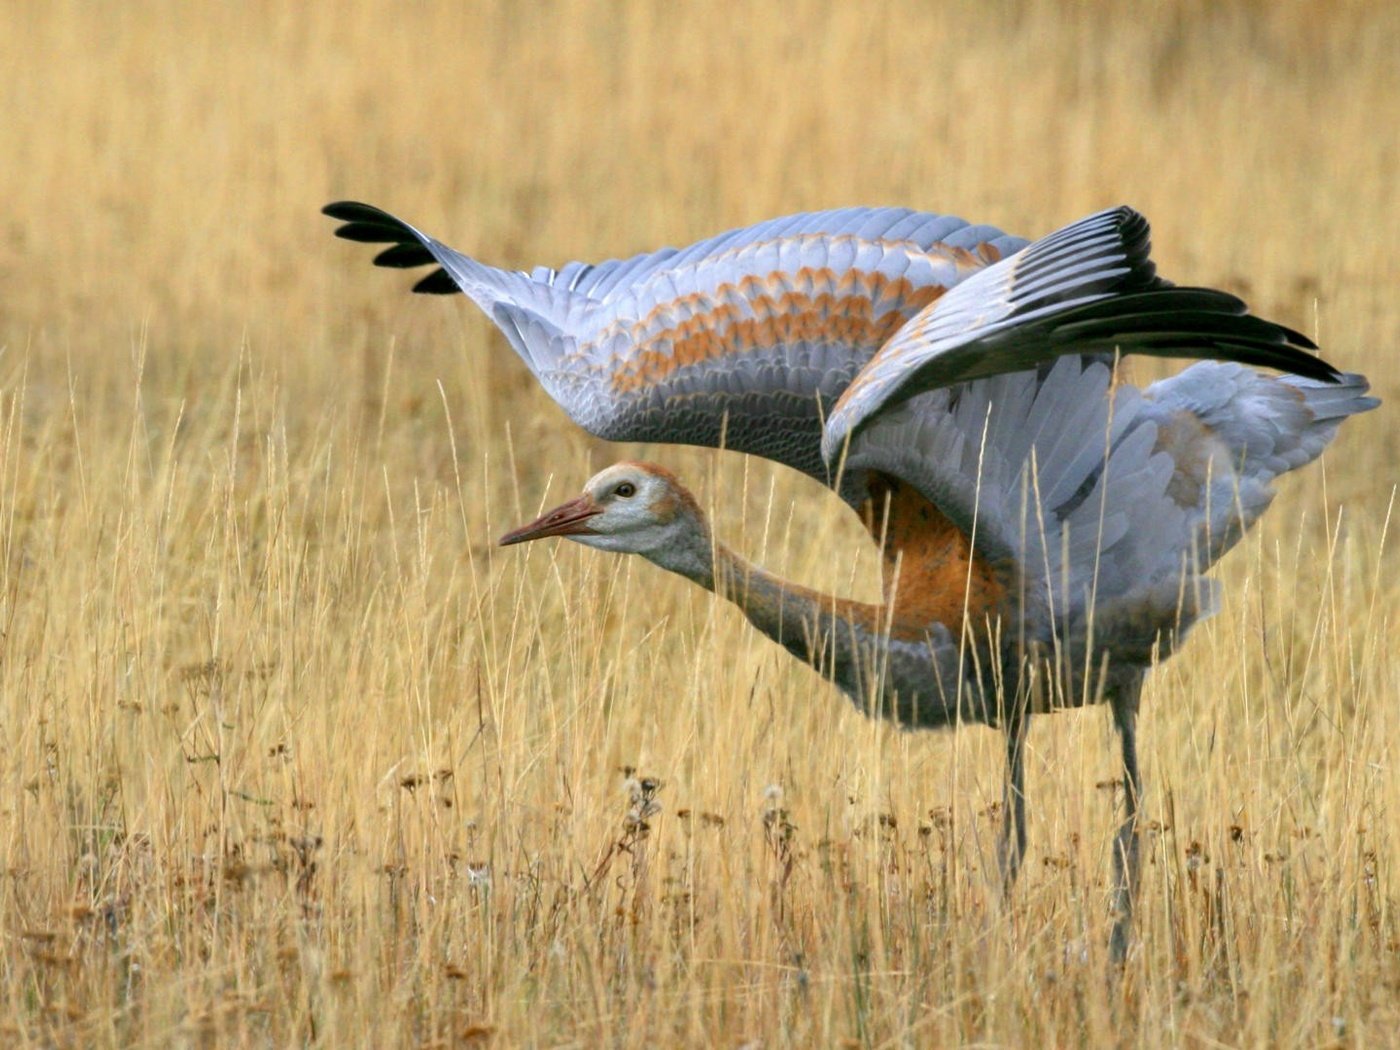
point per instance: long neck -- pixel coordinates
(788, 612)
(846, 641)
(776, 607)
(915, 674)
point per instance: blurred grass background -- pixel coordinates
(290, 754)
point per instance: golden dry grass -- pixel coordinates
(290, 754)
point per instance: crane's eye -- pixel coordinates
(626, 490)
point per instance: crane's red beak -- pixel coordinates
(567, 519)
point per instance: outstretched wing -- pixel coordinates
(741, 340)
(1089, 288)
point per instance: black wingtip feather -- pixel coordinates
(1294, 337)
(404, 256)
(1118, 238)
(1136, 234)
(1287, 359)
(367, 224)
(355, 211)
(364, 222)
(368, 233)
(1179, 322)
(439, 282)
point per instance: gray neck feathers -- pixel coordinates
(688, 552)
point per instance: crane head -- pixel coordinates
(628, 508)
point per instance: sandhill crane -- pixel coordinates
(1045, 525)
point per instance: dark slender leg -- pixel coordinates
(1125, 845)
(1012, 847)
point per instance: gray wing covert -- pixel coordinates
(744, 339)
(1054, 474)
(1106, 504)
(1008, 459)
(1051, 475)
(751, 342)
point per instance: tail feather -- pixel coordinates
(1338, 400)
(1233, 431)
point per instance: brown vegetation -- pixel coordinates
(289, 753)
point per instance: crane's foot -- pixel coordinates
(1125, 877)
(1125, 843)
(1011, 847)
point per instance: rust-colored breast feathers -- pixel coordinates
(932, 574)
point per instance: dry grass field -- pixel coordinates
(291, 754)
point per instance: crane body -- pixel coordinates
(1045, 526)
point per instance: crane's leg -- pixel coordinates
(1125, 845)
(1012, 847)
